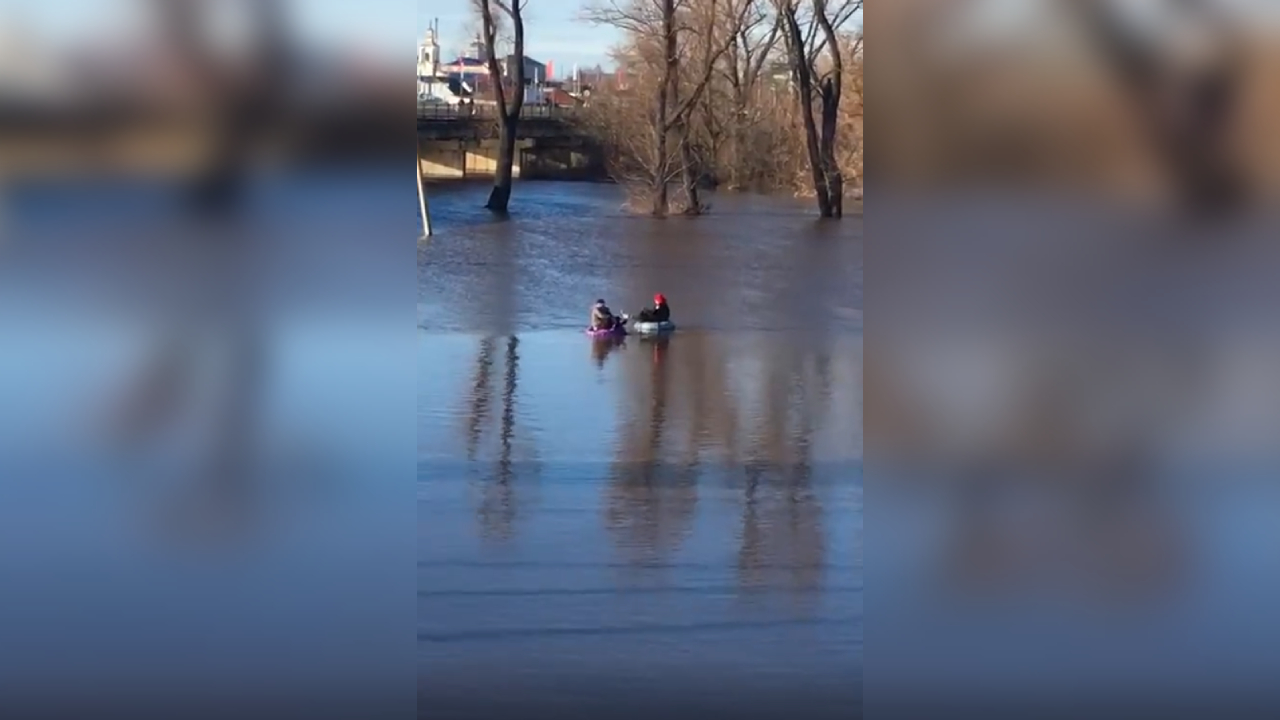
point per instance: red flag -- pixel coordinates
(551, 64)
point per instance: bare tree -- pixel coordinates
(714, 29)
(1188, 107)
(728, 108)
(684, 40)
(810, 37)
(508, 108)
(621, 121)
(850, 130)
(752, 45)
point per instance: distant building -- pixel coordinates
(557, 96)
(429, 53)
(450, 91)
(477, 49)
(779, 71)
(466, 69)
(532, 95)
(534, 71)
(590, 76)
(582, 80)
(468, 75)
(434, 84)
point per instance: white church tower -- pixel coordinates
(429, 52)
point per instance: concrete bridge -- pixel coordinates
(462, 142)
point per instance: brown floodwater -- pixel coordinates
(645, 524)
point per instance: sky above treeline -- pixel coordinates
(553, 32)
(315, 22)
(385, 28)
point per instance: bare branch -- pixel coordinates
(709, 63)
(699, 99)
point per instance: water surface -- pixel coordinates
(649, 524)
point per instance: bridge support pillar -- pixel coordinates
(473, 158)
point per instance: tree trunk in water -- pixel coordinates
(660, 197)
(833, 179)
(815, 159)
(830, 94)
(813, 145)
(690, 170)
(801, 72)
(508, 111)
(737, 137)
(735, 170)
(661, 166)
(1187, 109)
(658, 183)
(501, 193)
(662, 123)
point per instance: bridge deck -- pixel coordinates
(540, 122)
(441, 112)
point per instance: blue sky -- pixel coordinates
(343, 23)
(387, 27)
(552, 31)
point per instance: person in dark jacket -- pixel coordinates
(660, 312)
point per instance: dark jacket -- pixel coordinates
(661, 313)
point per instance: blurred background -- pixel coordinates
(1070, 388)
(174, 85)
(1071, 401)
(206, 364)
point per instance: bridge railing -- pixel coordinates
(486, 111)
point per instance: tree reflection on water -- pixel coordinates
(650, 499)
(783, 535)
(498, 506)
(684, 410)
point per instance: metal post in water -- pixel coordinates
(422, 200)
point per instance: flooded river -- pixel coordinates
(644, 525)
(208, 446)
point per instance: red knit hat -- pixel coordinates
(659, 299)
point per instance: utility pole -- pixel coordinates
(423, 207)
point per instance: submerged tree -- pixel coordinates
(1187, 101)
(508, 107)
(671, 50)
(817, 69)
(742, 71)
(726, 111)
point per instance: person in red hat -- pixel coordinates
(660, 312)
